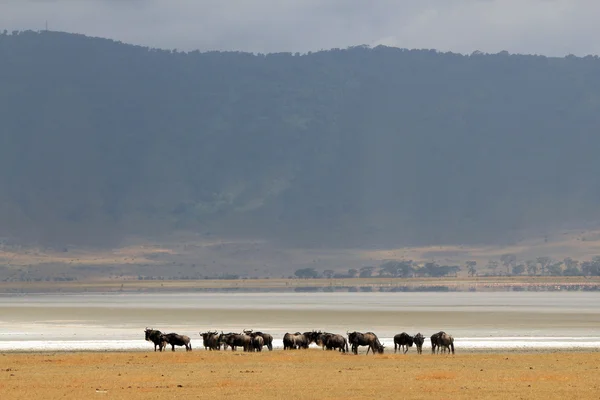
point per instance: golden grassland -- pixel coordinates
(310, 374)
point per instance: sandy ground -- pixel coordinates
(307, 374)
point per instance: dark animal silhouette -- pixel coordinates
(403, 341)
(321, 338)
(369, 339)
(292, 341)
(257, 343)
(434, 341)
(333, 342)
(419, 340)
(267, 338)
(211, 340)
(175, 339)
(235, 340)
(155, 336)
(445, 342)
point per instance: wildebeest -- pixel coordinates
(235, 340)
(155, 337)
(403, 341)
(434, 341)
(257, 343)
(223, 339)
(175, 339)
(267, 339)
(321, 338)
(446, 342)
(333, 342)
(419, 339)
(365, 339)
(211, 340)
(298, 340)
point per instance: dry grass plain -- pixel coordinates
(311, 374)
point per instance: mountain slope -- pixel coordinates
(357, 147)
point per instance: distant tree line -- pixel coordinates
(507, 265)
(394, 269)
(540, 266)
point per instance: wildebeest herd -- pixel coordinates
(251, 341)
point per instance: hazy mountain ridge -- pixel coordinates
(359, 147)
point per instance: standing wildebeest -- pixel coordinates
(419, 339)
(257, 343)
(321, 339)
(223, 339)
(235, 340)
(267, 339)
(298, 340)
(365, 339)
(175, 339)
(211, 340)
(434, 339)
(155, 337)
(333, 342)
(403, 341)
(446, 342)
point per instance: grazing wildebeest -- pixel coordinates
(403, 341)
(211, 340)
(235, 340)
(419, 339)
(175, 339)
(267, 339)
(298, 340)
(365, 339)
(446, 342)
(155, 337)
(333, 342)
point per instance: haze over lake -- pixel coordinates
(514, 320)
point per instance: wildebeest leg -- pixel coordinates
(172, 347)
(405, 349)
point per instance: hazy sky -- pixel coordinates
(550, 27)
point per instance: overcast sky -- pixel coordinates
(550, 27)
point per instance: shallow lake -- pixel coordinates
(477, 320)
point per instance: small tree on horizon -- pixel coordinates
(328, 273)
(471, 267)
(493, 265)
(508, 260)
